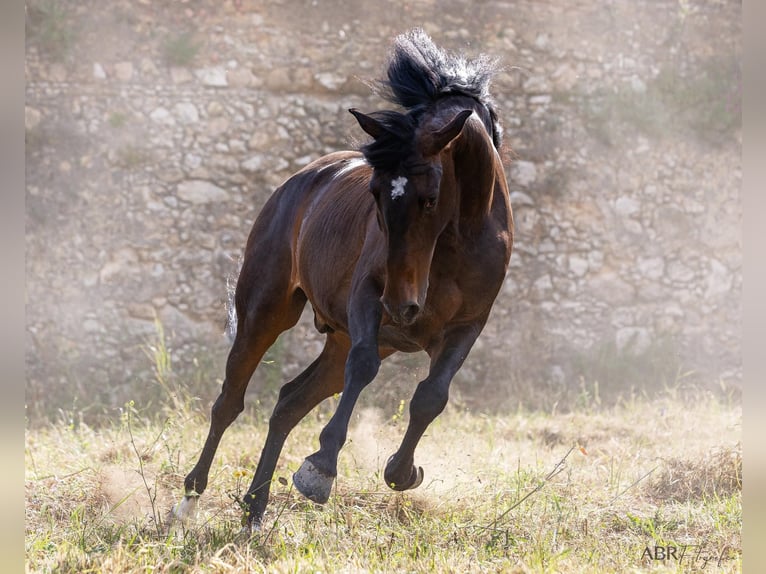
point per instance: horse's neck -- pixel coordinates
(475, 159)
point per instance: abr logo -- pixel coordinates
(668, 552)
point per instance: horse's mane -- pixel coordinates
(419, 74)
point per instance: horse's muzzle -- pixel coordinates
(404, 313)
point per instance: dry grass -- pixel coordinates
(501, 494)
(719, 474)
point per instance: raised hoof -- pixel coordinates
(416, 479)
(313, 483)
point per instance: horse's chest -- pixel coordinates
(444, 305)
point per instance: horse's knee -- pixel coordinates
(226, 409)
(362, 364)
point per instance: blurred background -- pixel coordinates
(156, 130)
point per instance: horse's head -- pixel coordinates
(415, 200)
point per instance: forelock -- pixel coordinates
(397, 143)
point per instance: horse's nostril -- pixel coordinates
(408, 311)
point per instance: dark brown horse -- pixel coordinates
(402, 247)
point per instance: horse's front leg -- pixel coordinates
(315, 477)
(428, 402)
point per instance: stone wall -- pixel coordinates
(156, 130)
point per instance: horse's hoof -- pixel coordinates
(249, 529)
(415, 480)
(313, 483)
(250, 525)
(185, 509)
(418, 478)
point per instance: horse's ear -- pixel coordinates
(444, 136)
(369, 124)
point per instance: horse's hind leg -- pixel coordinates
(263, 312)
(322, 379)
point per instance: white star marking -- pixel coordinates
(397, 187)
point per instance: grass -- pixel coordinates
(130, 156)
(48, 26)
(614, 370)
(118, 119)
(524, 492)
(647, 485)
(181, 49)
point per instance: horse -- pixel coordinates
(400, 246)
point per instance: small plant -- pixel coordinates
(181, 50)
(117, 119)
(709, 101)
(175, 399)
(47, 27)
(128, 413)
(131, 157)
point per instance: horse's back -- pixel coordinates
(295, 202)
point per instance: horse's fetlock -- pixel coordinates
(194, 487)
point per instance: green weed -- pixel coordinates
(118, 119)
(130, 156)
(49, 28)
(181, 49)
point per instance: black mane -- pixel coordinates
(420, 73)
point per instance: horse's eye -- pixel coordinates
(429, 202)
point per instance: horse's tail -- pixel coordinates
(230, 329)
(419, 73)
